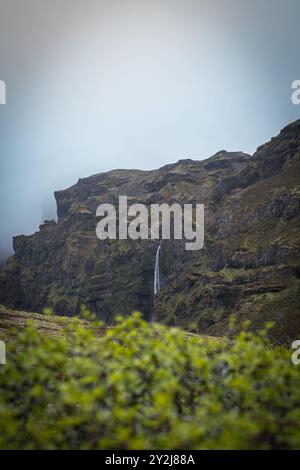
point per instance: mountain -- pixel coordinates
(249, 266)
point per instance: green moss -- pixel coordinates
(208, 182)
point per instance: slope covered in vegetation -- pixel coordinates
(249, 263)
(138, 385)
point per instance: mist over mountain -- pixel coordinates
(249, 265)
(149, 234)
(95, 85)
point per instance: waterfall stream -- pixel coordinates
(156, 273)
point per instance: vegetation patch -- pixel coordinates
(139, 385)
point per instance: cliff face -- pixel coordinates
(249, 265)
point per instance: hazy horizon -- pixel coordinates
(98, 85)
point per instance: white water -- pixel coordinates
(156, 273)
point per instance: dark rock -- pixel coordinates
(250, 256)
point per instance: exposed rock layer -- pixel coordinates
(249, 266)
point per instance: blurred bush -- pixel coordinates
(143, 385)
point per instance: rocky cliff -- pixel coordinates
(249, 266)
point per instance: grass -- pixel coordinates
(76, 384)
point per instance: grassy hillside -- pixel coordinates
(14, 321)
(249, 263)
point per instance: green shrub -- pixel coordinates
(144, 385)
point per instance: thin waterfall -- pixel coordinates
(156, 272)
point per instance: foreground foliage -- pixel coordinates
(146, 386)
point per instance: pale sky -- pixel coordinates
(94, 85)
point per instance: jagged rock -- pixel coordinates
(250, 260)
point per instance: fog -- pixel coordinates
(96, 85)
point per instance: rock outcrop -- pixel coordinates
(249, 266)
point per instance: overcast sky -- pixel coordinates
(94, 85)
